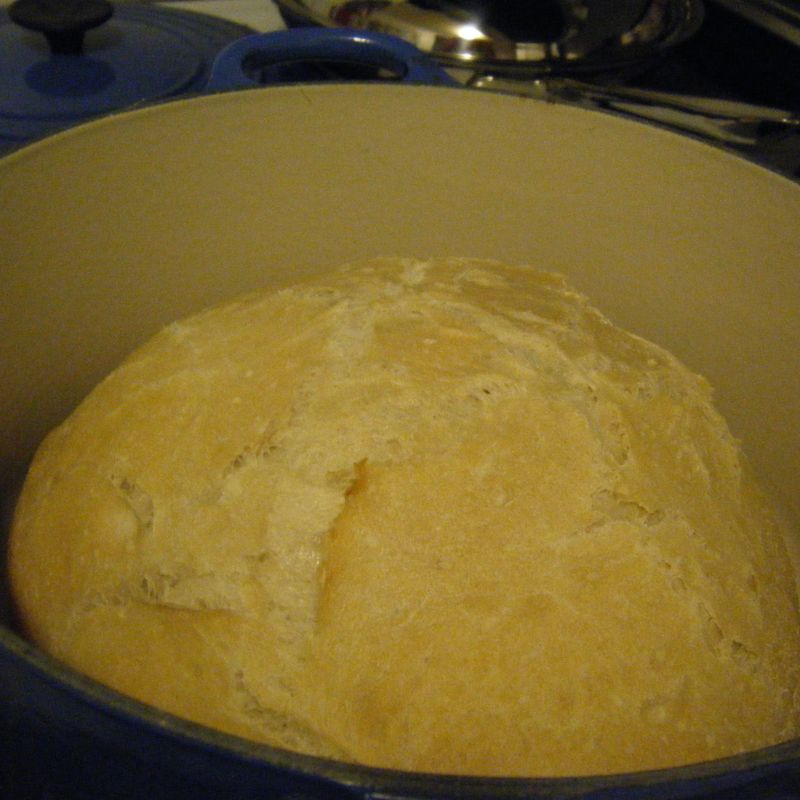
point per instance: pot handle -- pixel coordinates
(288, 57)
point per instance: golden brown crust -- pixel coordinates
(433, 515)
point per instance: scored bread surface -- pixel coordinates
(432, 515)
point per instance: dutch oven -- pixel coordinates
(113, 228)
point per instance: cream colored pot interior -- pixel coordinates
(110, 230)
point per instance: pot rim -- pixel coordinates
(206, 95)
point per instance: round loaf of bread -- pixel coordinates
(431, 515)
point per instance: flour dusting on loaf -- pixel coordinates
(432, 515)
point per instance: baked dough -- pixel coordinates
(432, 515)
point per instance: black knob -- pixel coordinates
(63, 22)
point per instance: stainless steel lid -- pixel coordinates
(507, 36)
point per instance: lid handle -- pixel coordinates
(249, 61)
(63, 22)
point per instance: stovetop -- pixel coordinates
(260, 15)
(736, 54)
(744, 51)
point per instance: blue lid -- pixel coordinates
(142, 53)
